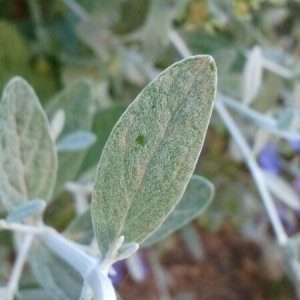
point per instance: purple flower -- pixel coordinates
(269, 160)
(134, 266)
(119, 273)
(294, 144)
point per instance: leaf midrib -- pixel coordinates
(156, 149)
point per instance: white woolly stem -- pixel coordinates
(20, 227)
(87, 266)
(12, 285)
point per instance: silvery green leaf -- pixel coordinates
(252, 75)
(127, 250)
(152, 151)
(77, 102)
(30, 294)
(81, 228)
(192, 242)
(76, 141)
(28, 209)
(155, 32)
(28, 162)
(282, 190)
(57, 277)
(57, 123)
(197, 195)
(104, 121)
(286, 118)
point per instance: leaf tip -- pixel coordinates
(17, 80)
(212, 66)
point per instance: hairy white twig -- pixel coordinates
(86, 265)
(12, 285)
(256, 172)
(21, 227)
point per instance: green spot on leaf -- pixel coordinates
(141, 140)
(213, 66)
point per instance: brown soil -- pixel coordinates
(233, 270)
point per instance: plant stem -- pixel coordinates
(260, 119)
(87, 266)
(179, 44)
(12, 285)
(20, 227)
(67, 250)
(255, 170)
(159, 276)
(267, 123)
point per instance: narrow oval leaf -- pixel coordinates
(57, 123)
(252, 75)
(76, 141)
(192, 242)
(197, 195)
(155, 32)
(80, 229)
(152, 151)
(285, 118)
(77, 102)
(23, 211)
(58, 278)
(35, 293)
(28, 162)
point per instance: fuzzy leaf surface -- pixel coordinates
(28, 209)
(58, 278)
(152, 151)
(28, 162)
(76, 141)
(197, 195)
(80, 229)
(77, 102)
